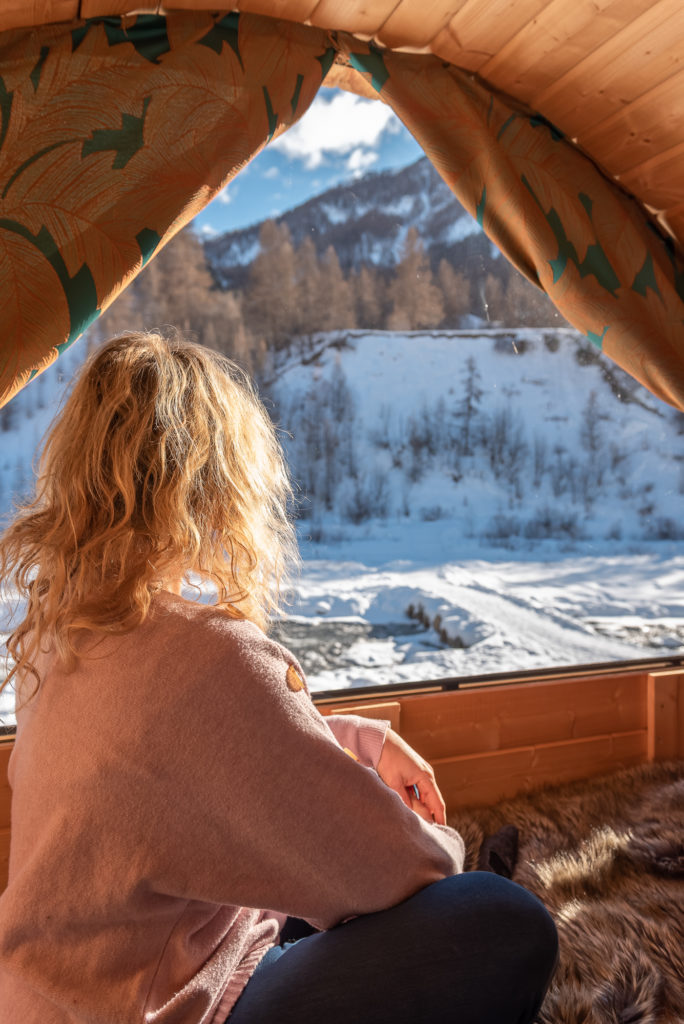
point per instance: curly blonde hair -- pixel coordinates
(162, 461)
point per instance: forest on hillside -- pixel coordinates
(292, 292)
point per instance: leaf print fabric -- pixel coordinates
(592, 248)
(114, 133)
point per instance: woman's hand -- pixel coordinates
(401, 768)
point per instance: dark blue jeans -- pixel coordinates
(470, 949)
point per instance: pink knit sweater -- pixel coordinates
(174, 785)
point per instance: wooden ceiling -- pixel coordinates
(609, 73)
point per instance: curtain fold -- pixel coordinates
(606, 266)
(114, 133)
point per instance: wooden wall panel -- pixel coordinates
(525, 714)
(388, 710)
(501, 775)
(665, 715)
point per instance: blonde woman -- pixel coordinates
(180, 808)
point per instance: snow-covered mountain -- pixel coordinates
(366, 221)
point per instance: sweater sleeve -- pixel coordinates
(262, 808)
(363, 736)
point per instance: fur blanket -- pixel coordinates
(606, 856)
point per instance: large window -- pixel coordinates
(479, 490)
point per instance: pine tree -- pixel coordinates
(308, 283)
(472, 396)
(455, 293)
(337, 303)
(415, 301)
(271, 294)
(369, 291)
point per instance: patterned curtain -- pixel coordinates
(606, 266)
(114, 133)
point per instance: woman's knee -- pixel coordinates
(492, 914)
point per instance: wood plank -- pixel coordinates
(641, 129)
(488, 27)
(6, 747)
(495, 718)
(665, 715)
(658, 182)
(351, 16)
(4, 856)
(403, 28)
(390, 710)
(448, 47)
(547, 34)
(501, 775)
(291, 10)
(19, 13)
(584, 92)
(549, 67)
(541, 67)
(98, 8)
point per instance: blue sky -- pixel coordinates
(341, 137)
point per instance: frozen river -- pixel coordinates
(372, 622)
(381, 619)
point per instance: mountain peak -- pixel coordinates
(366, 221)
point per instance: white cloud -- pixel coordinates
(272, 172)
(360, 159)
(208, 231)
(224, 196)
(336, 126)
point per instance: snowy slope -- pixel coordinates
(24, 421)
(559, 442)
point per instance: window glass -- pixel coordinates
(479, 490)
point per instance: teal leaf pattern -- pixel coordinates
(79, 289)
(36, 73)
(226, 30)
(125, 141)
(148, 240)
(646, 278)
(5, 110)
(371, 63)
